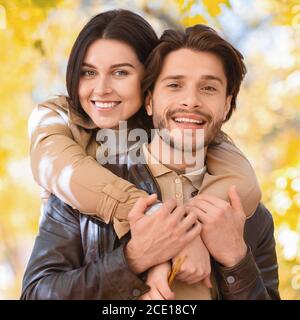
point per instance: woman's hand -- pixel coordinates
(157, 279)
(196, 266)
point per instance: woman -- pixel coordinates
(104, 77)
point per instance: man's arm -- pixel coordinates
(256, 276)
(56, 269)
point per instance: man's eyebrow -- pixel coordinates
(211, 77)
(173, 77)
(204, 77)
(125, 64)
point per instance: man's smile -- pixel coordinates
(189, 120)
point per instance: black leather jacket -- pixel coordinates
(76, 256)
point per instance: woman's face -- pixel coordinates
(110, 83)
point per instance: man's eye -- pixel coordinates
(209, 89)
(173, 85)
(120, 73)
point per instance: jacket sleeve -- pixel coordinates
(227, 166)
(62, 167)
(56, 269)
(256, 276)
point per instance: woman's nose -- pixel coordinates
(102, 86)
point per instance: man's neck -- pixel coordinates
(175, 159)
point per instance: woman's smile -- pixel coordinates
(105, 105)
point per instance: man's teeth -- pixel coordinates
(105, 104)
(188, 120)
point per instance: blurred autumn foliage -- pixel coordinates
(36, 37)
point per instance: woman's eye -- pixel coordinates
(121, 73)
(88, 73)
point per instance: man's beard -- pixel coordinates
(212, 132)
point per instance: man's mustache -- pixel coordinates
(206, 116)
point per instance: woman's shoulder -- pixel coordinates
(59, 103)
(57, 107)
(50, 112)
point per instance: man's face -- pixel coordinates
(190, 93)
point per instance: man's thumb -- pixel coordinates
(235, 199)
(140, 207)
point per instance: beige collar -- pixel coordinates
(159, 169)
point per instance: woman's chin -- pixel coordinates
(104, 124)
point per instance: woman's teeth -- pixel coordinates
(105, 105)
(188, 120)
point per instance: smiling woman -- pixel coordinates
(113, 46)
(103, 78)
(109, 87)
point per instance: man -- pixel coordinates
(78, 257)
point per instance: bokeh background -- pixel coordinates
(35, 39)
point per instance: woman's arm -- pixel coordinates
(227, 166)
(61, 166)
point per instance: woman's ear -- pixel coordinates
(227, 106)
(148, 104)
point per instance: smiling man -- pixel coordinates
(191, 83)
(185, 97)
(188, 104)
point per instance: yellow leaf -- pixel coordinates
(213, 6)
(191, 21)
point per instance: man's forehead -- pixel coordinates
(185, 62)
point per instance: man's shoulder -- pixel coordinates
(259, 226)
(262, 214)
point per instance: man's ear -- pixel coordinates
(227, 106)
(148, 104)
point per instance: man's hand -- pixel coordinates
(223, 226)
(157, 279)
(196, 266)
(159, 237)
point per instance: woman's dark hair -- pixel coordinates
(198, 38)
(122, 25)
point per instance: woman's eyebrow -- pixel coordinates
(118, 65)
(85, 64)
(122, 65)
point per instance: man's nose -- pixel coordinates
(191, 99)
(102, 86)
